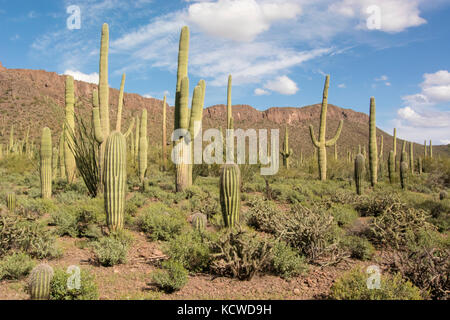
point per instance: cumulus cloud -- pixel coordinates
(282, 85)
(395, 15)
(342, 86)
(80, 76)
(240, 20)
(261, 92)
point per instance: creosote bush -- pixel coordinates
(172, 278)
(160, 222)
(15, 266)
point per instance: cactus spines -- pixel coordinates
(391, 166)
(403, 173)
(11, 201)
(286, 153)
(199, 221)
(143, 147)
(69, 126)
(411, 157)
(39, 282)
(431, 150)
(230, 198)
(46, 164)
(373, 153)
(114, 180)
(164, 137)
(321, 144)
(359, 173)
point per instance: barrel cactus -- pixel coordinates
(39, 282)
(11, 201)
(230, 198)
(46, 164)
(359, 173)
(114, 180)
(322, 143)
(199, 221)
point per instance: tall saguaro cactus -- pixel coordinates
(381, 160)
(46, 164)
(164, 137)
(115, 180)
(411, 157)
(143, 146)
(395, 148)
(229, 105)
(230, 198)
(286, 153)
(425, 149)
(321, 144)
(431, 149)
(373, 153)
(391, 166)
(69, 125)
(61, 163)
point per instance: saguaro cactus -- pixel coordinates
(420, 165)
(403, 173)
(411, 157)
(164, 137)
(391, 166)
(230, 198)
(46, 164)
(395, 148)
(39, 282)
(143, 147)
(229, 106)
(286, 153)
(61, 164)
(373, 153)
(69, 125)
(137, 140)
(115, 180)
(425, 149)
(321, 144)
(381, 160)
(11, 201)
(359, 173)
(335, 152)
(431, 149)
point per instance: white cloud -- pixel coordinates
(382, 78)
(80, 76)
(396, 15)
(240, 20)
(261, 92)
(282, 85)
(445, 141)
(147, 96)
(342, 86)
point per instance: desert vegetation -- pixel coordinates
(110, 210)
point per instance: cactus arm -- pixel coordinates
(229, 107)
(130, 128)
(184, 102)
(331, 142)
(182, 72)
(103, 81)
(120, 104)
(97, 125)
(313, 137)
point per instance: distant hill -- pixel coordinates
(35, 98)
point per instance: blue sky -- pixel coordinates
(278, 51)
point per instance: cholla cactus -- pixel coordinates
(359, 173)
(230, 198)
(39, 282)
(321, 144)
(46, 164)
(114, 180)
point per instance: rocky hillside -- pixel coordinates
(35, 98)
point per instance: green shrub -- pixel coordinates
(286, 262)
(191, 250)
(359, 248)
(160, 222)
(353, 286)
(261, 214)
(344, 215)
(60, 291)
(15, 266)
(112, 250)
(172, 278)
(134, 203)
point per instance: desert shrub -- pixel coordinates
(210, 207)
(191, 250)
(344, 215)
(65, 222)
(398, 227)
(60, 291)
(160, 222)
(134, 203)
(353, 286)
(359, 248)
(239, 253)
(374, 205)
(112, 250)
(37, 206)
(286, 262)
(287, 193)
(19, 234)
(172, 278)
(15, 266)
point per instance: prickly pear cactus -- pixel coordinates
(230, 197)
(39, 282)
